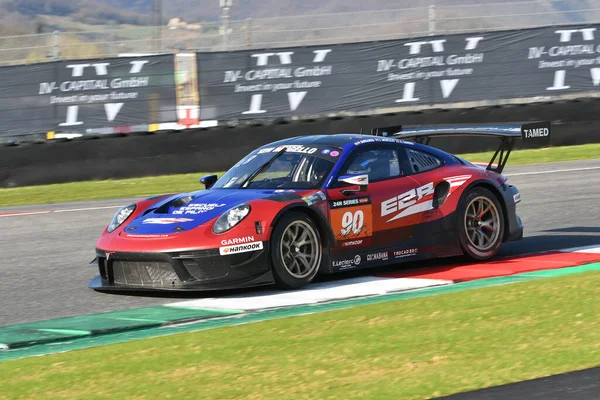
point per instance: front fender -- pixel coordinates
(316, 213)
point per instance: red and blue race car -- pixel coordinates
(319, 204)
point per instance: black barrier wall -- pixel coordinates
(212, 150)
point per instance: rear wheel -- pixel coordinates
(296, 251)
(481, 229)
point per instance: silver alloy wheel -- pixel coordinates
(300, 250)
(482, 223)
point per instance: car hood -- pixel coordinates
(186, 211)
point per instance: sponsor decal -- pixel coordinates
(350, 202)
(536, 133)
(275, 72)
(415, 66)
(334, 153)
(575, 49)
(246, 239)
(351, 218)
(292, 148)
(200, 208)
(146, 236)
(383, 255)
(314, 198)
(326, 151)
(166, 221)
(348, 263)
(241, 248)
(405, 253)
(408, 203)
(352, 243)
(373, 140)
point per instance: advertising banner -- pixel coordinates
(317, 80)
(88, 96)
(22, 110)
(198, 89)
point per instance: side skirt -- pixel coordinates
(431, 240)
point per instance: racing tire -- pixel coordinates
(481, 224)
(296, 251)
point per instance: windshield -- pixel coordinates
(299, 167)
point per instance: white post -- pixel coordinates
(249, 32)
(431, 20)
(225, 6)
(56, 45)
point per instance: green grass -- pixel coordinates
(411, 349)
(544, 155)
(94, 190)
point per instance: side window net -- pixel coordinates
(421, 162)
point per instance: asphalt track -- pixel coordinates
(576, 385)
(45, 263)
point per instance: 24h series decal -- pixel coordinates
(352, 218)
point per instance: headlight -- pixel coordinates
(120, 217)
(231, 218)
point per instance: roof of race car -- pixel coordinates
(341, 140)
(335, 140)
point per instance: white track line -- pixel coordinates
(321, 292)
(553, 172)
(595, 249)
(25, 213)
(88, 209)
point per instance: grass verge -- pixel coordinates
(411, 349)
(96, 190)
(543, 155)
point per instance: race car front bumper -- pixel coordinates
(180, 271)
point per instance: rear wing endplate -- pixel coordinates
(535, 132)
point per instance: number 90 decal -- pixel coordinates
(352, 222)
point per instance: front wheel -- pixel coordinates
(481, 220)
(296, 251)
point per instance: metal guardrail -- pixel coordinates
(298, 30)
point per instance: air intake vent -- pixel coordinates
(420, 162)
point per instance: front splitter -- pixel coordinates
(266, 279)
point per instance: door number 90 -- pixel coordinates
(352, 222)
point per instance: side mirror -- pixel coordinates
(361, 180)
(208, 180)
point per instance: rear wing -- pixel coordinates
(535, 132)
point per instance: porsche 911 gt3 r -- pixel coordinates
(319, 204)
